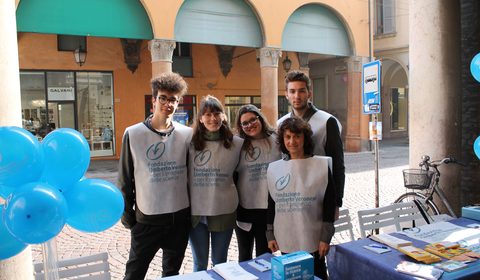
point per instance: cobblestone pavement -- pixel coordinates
(359, 194)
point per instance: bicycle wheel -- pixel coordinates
(428, 205)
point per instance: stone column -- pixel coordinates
(19, 266)
(356, 130)
(162, 52)
(269, 82)
(470, 176)
(435, 88)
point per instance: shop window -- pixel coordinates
(233, 103)
(95, 111)
(69, 43)
(78, 100)
(34, 108)
(320, 94)
(398, 111)
(283, 106)
(182, 60)
(384, 17)
(186, 110)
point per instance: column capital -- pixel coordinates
(269, 57)
(355, 63)
(161, 50)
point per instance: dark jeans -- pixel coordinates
(319, 266)
(200, 242)
(148, 239)
(245, 242)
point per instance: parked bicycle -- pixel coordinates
(425, 183)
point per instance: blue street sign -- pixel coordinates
(371, 87)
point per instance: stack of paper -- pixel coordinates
(419, 254)
(390, 240)
(233, 271)
(419, 270)
(451, 265)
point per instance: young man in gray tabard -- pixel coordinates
(326, 128)
(153, 179)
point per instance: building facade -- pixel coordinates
(390, 45)
(237, 50)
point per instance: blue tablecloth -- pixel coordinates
(352, 261)
(266, 275)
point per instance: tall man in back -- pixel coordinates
(326, 131)
(153, 179)
(326, 128)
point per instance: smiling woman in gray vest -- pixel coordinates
(301, 204)
(213, 157)
(259, 149)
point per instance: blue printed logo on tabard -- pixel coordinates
(155, 151)
(282, 182)
(250, 157)
(202, 157)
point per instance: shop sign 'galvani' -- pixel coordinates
(61, 93)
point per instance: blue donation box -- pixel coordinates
(297, 265)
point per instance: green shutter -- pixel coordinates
(100, 18)
(315, 29)
(221, 22)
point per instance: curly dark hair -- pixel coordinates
(267, 129)
(297, 76)
(169, 82)
(296, 125)
(210, 104)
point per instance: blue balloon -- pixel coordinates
(68, 155)
(476, 147)
(475, 67)
(5, 191)
(35, 213)
(21, 157)
(94, 205)
(9, 245)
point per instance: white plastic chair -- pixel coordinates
(94, 267)
(377, 218)
(344, 223)
(408, 215)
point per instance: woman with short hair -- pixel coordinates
(301, 206)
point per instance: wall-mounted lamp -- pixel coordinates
(80, 56)
(287, 63)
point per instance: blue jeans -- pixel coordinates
(199, 242)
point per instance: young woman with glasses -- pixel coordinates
(259, 149)
(213, 157)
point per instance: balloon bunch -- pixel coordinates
(475, 70)
(44, 189)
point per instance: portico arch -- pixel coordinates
(107, 18)
(314, 28)
(215, 21)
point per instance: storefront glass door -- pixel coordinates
(61, 115)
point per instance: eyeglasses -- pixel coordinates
(249, 122)
(163, 99)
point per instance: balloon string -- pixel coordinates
(49, 252)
